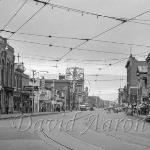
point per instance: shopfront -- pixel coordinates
(17, 102)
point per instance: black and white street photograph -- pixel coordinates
(74, 75)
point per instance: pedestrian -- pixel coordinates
(132, 108)
(6, 109)
(117, 110)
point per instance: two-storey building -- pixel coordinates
(7, 59)
(21, 96)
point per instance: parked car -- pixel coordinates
(91, 108)
(83, 107)
(147, 118)
(87, 107)
(117, 109)
(129, 112)
(143, 109)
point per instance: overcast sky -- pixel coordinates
(58, 22)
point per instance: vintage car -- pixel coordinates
(83, 107)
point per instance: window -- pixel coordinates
(145, 82)
(2, 72)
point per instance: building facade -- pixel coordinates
(76, 76)
(21, 96)
(142, 84)
(122, 96)
(7, 59)
(61, 91)
(132, 79)
(148, 74)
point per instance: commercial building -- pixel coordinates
(132, 79)
(13, 97)
(60, 92)
(142, 84)
(7, 59)
(21, 96)
(76, 76)
(148, 74)
(122, 96)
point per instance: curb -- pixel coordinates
(33, 115)
(137, 117)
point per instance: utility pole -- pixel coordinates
(33, 75)
(53, 94)
(65, 99)
(18, 56)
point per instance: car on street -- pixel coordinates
(87, 107)
(83, 107)
(147, 119)
(117, 109)
(91, 108)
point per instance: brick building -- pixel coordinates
(148, 73)
(132, 79)
(142, 83)
(6, 76)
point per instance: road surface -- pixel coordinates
(88, 130)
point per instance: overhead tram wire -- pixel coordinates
(65, 47)
(57, 46)
(104, 33)
(43, 59)
(77, 38)
(121, 60)
(71, 49)
(110, 80)
(84, 61)
(79, 11)
(36, 56)
(142, 20)
(137, 22)
(8, 22)
(28, 19)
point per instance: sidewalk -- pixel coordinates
(142, 117)
(11, 116)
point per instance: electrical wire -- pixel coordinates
(84, 61)
(142, 19)
(55, 60)
(110, 80)
(39, 56)
(93, 37)
(8, 22)
(28, 20)
(70, 50)
(113, 27)
(122, 60)
(140, 23)
(141, 14)
(75, 38)
(65, 47)
(109, 65)
(82, 12)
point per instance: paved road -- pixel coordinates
(75, 131)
